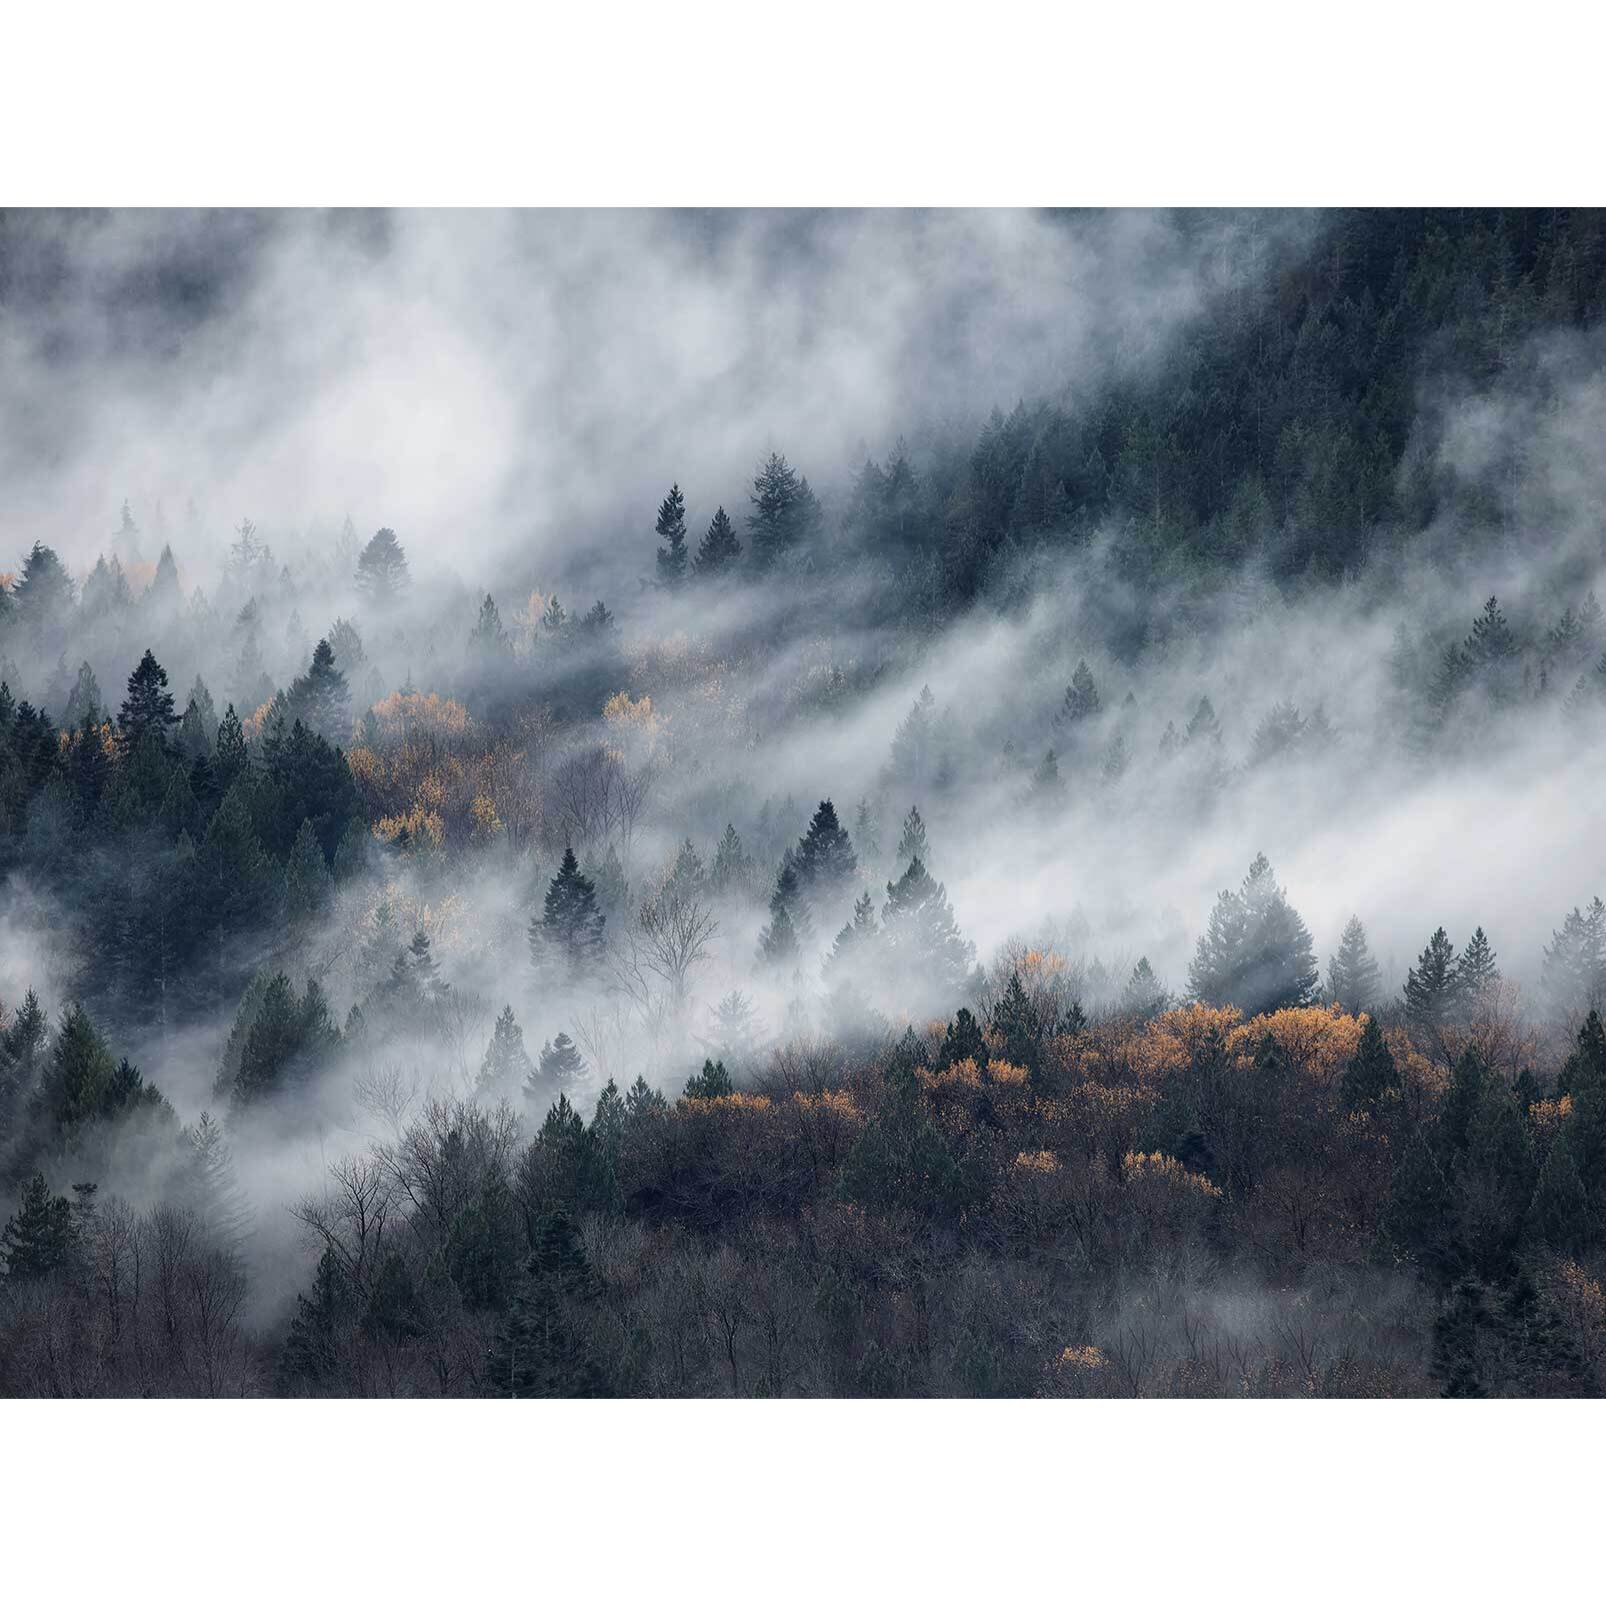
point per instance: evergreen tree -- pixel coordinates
(782, 511)
(506, 1065)
(43, 593)
(963, 1040)
(671, 530)
(1352, 974)
(1256, 952)
(1143, 996)
(313, 1347)
(712, 1082)
(488, 639)
(918, 930)
(308, 884)
(1114, 761)
(41, 1237)
(320, 698)
(85, 701)
(732, 872)
(912, 843)
(1081, 701)
(789, 929)
(643, 1102)
(571, 924)
(149, 704)
(232, 754)
(165, 591)
(212, 1190)
(825, 863)
(719, 549)
(1204, 726)
(1371, 1073)
(1475, 971)
(382, 569)
(289, 1044)
(1431, 993)
(558, 1070)
(1574, 972)
(1048, 787)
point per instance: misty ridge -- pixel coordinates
(804, 803)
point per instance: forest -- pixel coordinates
(1084, 889)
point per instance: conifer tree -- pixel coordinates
(1081, 701)
(1143, 996)
(557, 1071)
(1256, 952)
(671, 530)
(963, 1040)
(719, 549)
(731, 874)
(1431, 992)
(1371, 1072)
(712, 1082)
(1475, 970)
(84, 703)
(918, 929)
(382, 569)
(1352, 974)
(320, 698)
(41, 1237)
(506, 1065)
(782, 511)
(149, 704)
(488, 639)
(912, 843)
(1203, 726)
(571, 925)
(232, 755)
(308, 884)
(825, 863)
(789, 929)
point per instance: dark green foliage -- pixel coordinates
(901, 1160)
(1431, 992)
(543, 1350)
(786, 514)
(42, 1236)
(571, 925)
(671, 530)
(320, 698)
(289, 1043)
(313, 1347)
(1475, 971)
(824, 863)
(1371, 1074)
(963, 1041)
(711, 1082)
(148, 707)
(308, 884)
(918, 930)
(719, 549)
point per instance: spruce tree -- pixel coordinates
(506, 1066)
(308, 884)
(1371, 1072)
(488, 639)
(912, 843)
(719, 549)
(918, 930)
(41, 1237)
(732, 872)
(1256, 952)
(382, 569)
(1475, 971)
(1081, 701)
(671, 530)
(1431, 991)
(149, 704)
(85, 701)
(571, 925)
(781, 511)
(1352, 974)
(825, 863)
(320, 698)
(712, 1082)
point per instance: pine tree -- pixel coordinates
(1431, 992)
(1352, 974)
(825, 862)
(165, 591)
(382, 569)
(912, 843)
(781, 511)
(313, 1347)
(558, 1070)
(1143, 996)
(149, 704)
(506, 1065)
(232, 755)
(320, 698)
(918, 929)
(1475, 971)
(671, 530)
(212, 1190)
(85, 701)
(719, 549)
(642, 1102)
(732, 871)
(780, 941)
(1256, 952)
(712, 1082)
(1574, 971)
(1081, 701)
(488, 639)
(1371, 1073)
(308, 884)
(1114, 761)
(41, 1237)
(571, 924)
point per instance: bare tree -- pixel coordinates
(675, 930)
(353, 1212)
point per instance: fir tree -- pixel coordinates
(1431, 992)
(571, 925)
(308, 884)
(671, 530)
(1256, 952)
(320, 698)
(712, 1082)
(1352, 974)
(782, 511)
(1204, 726)
(1081, 702)
(382, 569)
(918, 929)
(506, 1065)
(488, 639)
(1475, 970)
(41, 1237)
(912, 843)
(148, 708)
(719, 549)
(84, 703)
(825, 863)
(732, 872)
(963, 1040)
(1371, 1073)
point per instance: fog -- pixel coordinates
(513, 395)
